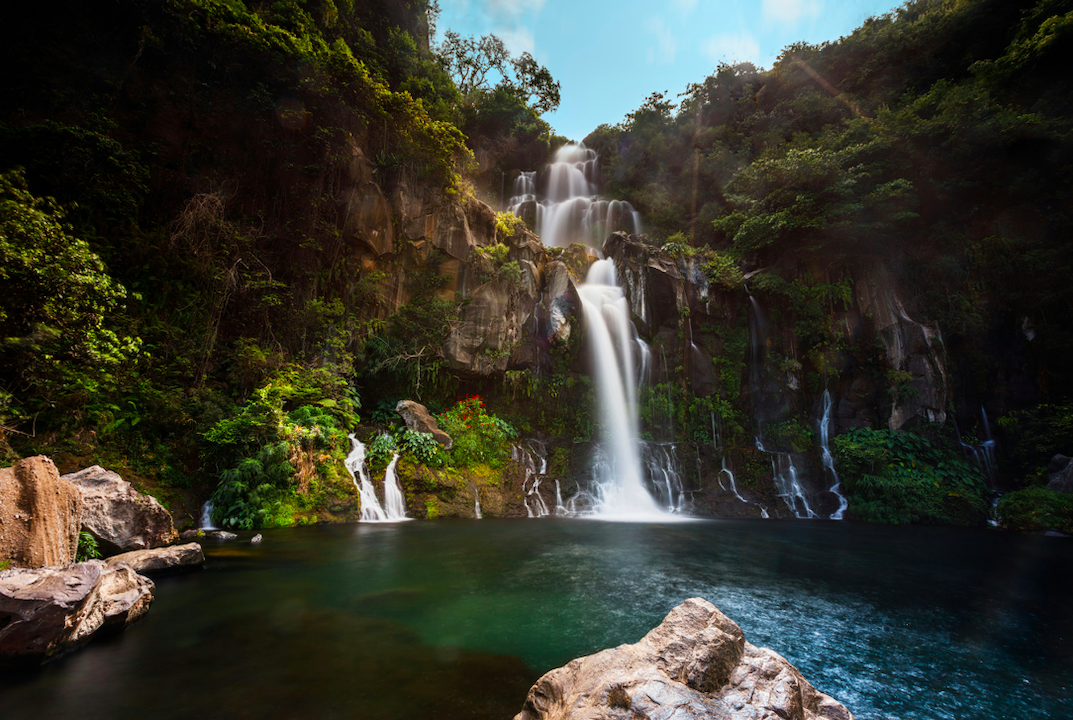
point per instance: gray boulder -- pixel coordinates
(419, 419)
(162, 560)
(695, 664)
(39, 515)
(45, 612)
(118, 515)
(1061, 478)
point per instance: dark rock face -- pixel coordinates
(47, 611)
(119, 515)
(419, 419)
(695, 664)
(40, 515)
(161, 560)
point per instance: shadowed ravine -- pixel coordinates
(455, 619)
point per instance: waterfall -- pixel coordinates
(572, 212)
(527, 457)
(206, 516)
(787, 483)
(619, 489)
(355, 465)
(828, 461)
(477, 504)
(394, 504)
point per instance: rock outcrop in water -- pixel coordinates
(162, 560)
(39, 514)
(47, 611)
(118, 515)
(695, 664)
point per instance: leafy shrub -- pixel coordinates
(87, 547)
(899, 478)
(249, 492)
(478, 437)
(423, 447)
(1036, 508)
(380, 451)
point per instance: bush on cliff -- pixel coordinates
(904, 478)
(479, 438)
(1036, 508)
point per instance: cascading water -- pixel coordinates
(477, 504)
(572, 212)
(534, 459)
(355, 465)
(983, 454)
(619, 491)
(394, 504)
(828, 460)
(787, 482)
(206, 516)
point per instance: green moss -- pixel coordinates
(432, 509)
(1036, 508)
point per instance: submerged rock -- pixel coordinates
(419, 419)
(119, 515)
(47, 611)
(695, 664)
(162, 560)
(39, 515)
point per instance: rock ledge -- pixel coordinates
(695, 664)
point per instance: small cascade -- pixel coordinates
(572, 212)
(983, 453)
(661, 460)
(559, 508)
(394, 504)
(477, 504)
(206, 516)
(534, 458)
(717, 442)
(828, 460)
(787, 482)
(355, 465)
(733, 486)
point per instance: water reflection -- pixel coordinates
(457, 619)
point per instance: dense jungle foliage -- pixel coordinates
(180, 298)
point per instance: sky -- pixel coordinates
(609, 55)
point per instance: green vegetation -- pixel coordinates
(479, 438)
(87, 547)
(1037, 509)
(900, 478)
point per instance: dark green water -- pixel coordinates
(457, 619)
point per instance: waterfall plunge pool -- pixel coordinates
(455, 619)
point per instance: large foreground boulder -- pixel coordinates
(39, 515)
(695, 664)
(45, 612)
(162, 560)
(118, 515)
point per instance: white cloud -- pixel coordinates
(790, 11)
(666, 46)
(513, 9)
(742, 47)
(517, 40)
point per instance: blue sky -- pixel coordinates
(609, 55)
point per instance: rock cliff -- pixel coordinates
(40, 515)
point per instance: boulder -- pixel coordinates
(419, 419)
(40, 515)
(118, 515)
(221, 535)
(1061, 475)
(695, 664)
(47, 611)
(161, 560)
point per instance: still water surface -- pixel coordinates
(455, 619)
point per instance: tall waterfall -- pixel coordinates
(828, 460)
(619, 490)
(572, 212)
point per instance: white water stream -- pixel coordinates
(371, 511)
(828, 460)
